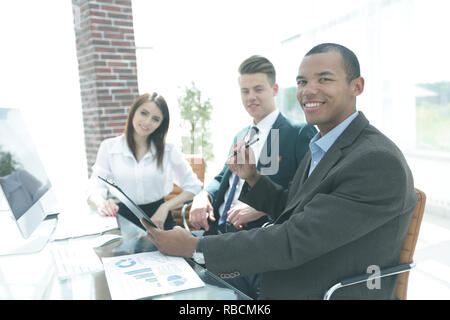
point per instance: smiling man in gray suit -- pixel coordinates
(348, 207)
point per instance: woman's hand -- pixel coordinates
(107, 208)
(160, 216)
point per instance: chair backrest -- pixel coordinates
(409, 244)
(198, 165)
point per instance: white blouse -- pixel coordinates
(142, 181)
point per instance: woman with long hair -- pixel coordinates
(143, 165)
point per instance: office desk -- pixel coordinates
(33, 276)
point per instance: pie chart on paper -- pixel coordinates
(125, 263)
(176, 280)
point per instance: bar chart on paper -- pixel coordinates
(144, 274)
(148, 274)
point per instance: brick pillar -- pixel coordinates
(107, 68)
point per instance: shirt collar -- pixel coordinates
(120, 145)
(267, 123)
(325, 142)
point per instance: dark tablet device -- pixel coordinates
(134, 208)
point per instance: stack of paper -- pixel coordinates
(148, 274)
(70, 226)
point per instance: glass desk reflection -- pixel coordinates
(134, 240)
(43, 281)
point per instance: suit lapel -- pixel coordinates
(307, 185)
(242, 134)
(301, 174)
(267, 145)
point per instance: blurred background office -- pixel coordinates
(165, 46)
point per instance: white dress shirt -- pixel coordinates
(142, 181)
(264, 127)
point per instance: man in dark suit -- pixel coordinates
(279, 162)
(347, 209)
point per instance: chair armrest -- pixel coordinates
(183, 215)
(364, 277)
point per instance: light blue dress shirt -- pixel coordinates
(320, 145)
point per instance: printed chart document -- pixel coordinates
(148, 274)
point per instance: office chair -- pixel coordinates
(406, 256)
(185, 208)
(198, 165)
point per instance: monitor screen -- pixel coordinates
(23, 179)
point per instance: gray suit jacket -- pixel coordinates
(351, 213)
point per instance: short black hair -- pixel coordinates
(256, 64)
(349, 60)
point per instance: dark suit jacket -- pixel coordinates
(351, 213)
(294, 144)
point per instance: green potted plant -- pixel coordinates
(196, 114)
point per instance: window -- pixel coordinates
(403, 51)
(433, 116)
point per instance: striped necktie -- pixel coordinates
(254, 130)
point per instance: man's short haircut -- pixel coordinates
(349, 59)
(258, 64)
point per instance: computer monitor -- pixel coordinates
(24, 184)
